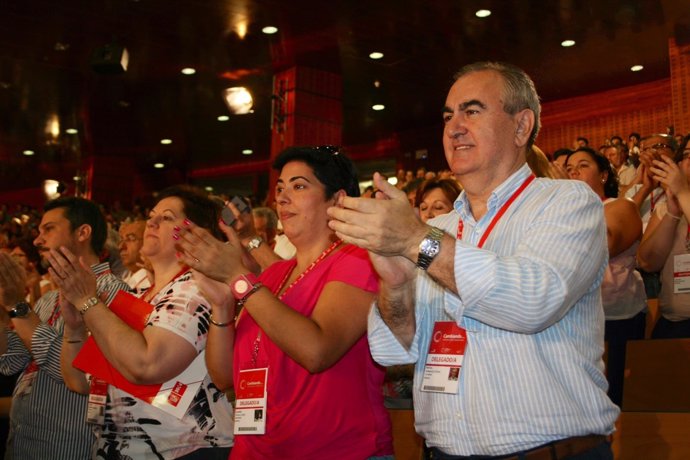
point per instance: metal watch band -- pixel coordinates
(429, 248)
(254, 243)
(88, 304)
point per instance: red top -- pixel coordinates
(335, 414)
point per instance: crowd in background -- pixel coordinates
(617, 168)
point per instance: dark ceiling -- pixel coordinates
(46, 50)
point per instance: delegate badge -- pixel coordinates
(443, 363)
(250, 403)
(681, 274)
(98, 394)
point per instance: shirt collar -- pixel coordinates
(500, 195)
(100, 268)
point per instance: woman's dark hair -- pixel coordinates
(561, 152)
(197, 206)
(679, 152)
(604, 165)
(450, 188)
(331, 167)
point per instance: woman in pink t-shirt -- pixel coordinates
(300, 336)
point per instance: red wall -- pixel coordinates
(644, 108)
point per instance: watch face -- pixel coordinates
(20, 310)
(241, 286)
(430, 247)
(255, 243)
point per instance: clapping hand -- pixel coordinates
(73, 277)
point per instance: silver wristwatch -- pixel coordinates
(429, 248)
(254, 243)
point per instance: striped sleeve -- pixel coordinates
(551, 262)
(17, 357)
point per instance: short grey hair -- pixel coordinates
(519, 93)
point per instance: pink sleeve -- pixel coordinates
(353, 267)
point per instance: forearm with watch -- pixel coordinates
(436, 256)
(260, 251)
(24, 321)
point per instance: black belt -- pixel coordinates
(555, 450)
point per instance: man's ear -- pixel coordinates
(524, 125)
(337, 196)
(83, 232)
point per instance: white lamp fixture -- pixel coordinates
(51, 188)
(238, 99)
(637, 68)
(567, 43)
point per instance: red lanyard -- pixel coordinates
(145, 294)
(499, 214)
(323, 255)
(257, 341)
(653, 200)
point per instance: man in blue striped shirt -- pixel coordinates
(47, 420)
(513, 278)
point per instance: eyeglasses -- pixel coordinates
(657, 147)
(684, 155)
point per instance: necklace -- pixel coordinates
(153, 292)
(323, 255)
(257, 341)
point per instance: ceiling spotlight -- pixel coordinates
(238, 99)
(188, 71)
(637, 68)
(378, 107)
(483, 13)
(61, 46)
(269, 30)
(28, 152)
(71, 131)
(567, 43)
(247, 151)
(223, 118)
(166, 141)
(376, 55)
(208, 188)
(52, 188)
(158, 165)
